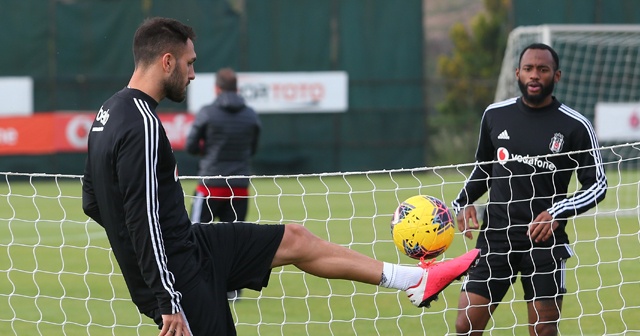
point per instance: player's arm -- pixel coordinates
(593, 182)
(592, 178)
(136, 157)
(477, 184)
(197, 133)
(89, 203)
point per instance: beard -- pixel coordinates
(174, 87)
(536, 99)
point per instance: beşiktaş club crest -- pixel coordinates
(556, 143)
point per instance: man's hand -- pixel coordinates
(174, 325)
(468, 220)
(542, 227)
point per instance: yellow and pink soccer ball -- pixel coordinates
(422, 227)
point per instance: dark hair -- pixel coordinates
(226, 80)
(157, 36)
(542, 46)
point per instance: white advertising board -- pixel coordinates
(16, 94)
(279, 92)
(617, 121)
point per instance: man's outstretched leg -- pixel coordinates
(321, 258)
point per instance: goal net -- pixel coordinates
(59, 277)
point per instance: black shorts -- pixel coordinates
(542, 272)
(232, 256)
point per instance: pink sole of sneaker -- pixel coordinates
(427, 302)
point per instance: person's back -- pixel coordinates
(226, 134)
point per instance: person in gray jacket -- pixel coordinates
(225, 133)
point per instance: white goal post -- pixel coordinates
(58, 275)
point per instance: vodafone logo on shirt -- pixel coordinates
(503, 155)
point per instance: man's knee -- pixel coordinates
(544, 316)
(474, 312)
(463, 325)
(546, 329)
(300, 237)
(296, 234)
(295, 244)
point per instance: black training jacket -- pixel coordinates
(226, 134)
(131, 188)
(533, 169)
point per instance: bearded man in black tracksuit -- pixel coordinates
(179, 273)
(529, 140)
(225, 133)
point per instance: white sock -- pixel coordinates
(400, 277)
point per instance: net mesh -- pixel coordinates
(59, 277)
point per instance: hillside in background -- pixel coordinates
(440, 16)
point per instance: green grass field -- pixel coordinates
(57, 275)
